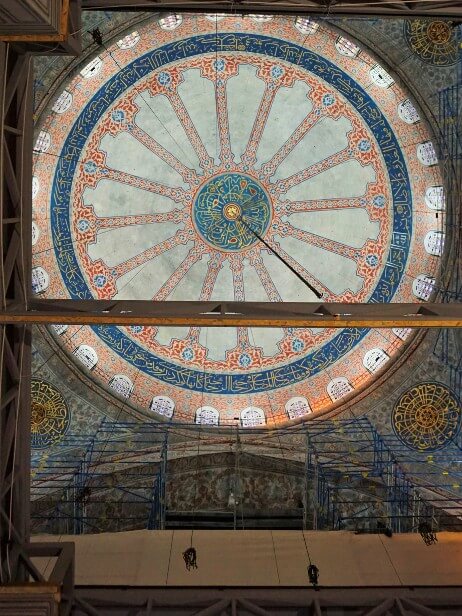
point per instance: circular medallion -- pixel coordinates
(434, 42)
(230, 211)
(50, 416)
(427, 417)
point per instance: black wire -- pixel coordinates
(294, 271)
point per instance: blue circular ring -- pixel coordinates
(291, 53)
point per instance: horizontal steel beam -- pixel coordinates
(409, 8)
(234, 314)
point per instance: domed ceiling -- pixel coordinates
(173, 162)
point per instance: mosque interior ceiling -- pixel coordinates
(176, 161)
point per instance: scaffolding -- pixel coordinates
(355, 478)
(123, 462)
(360, 480)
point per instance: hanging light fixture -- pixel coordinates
(426, 532)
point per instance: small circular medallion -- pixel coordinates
(439, 32)
(427, 417)
(230, 210)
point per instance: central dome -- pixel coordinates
(230, 211)
(160, 164)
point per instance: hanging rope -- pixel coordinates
(190, 555)
(313, 571)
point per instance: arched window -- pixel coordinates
(163, 406)
(426, 154)
(435, 198)
(92, 68)
(407, 112)
(60, 329)
(297, 407)
(215, 16)
(35, 233)
(380, 77)
(306, 25)
(35, 186)
(402, 332)
(63, 102)
(129, 41)
(423, 286)
(434, 243)
(346, 47)
(43, 141)
(207, 415)
(170, 22)
(87, 355)
(374, 359)
(338, 388)
(261, 18)
(252, 416)
(40, 280)
(122, 385)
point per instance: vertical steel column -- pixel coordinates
(16, 134)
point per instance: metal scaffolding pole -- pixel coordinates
(15, 351)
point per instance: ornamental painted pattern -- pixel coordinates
(427, 417)
(156, 168)
(50, 416)
(230, 211)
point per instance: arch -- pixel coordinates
(40, 280)
(374, 359)
(207, 415)
(252, 416)
(163, 405)
(122, 385)
(297, 406)
(338, 388)
(87, 355)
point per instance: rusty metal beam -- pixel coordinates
(276, 601)
(233, 314)
(409, 8)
